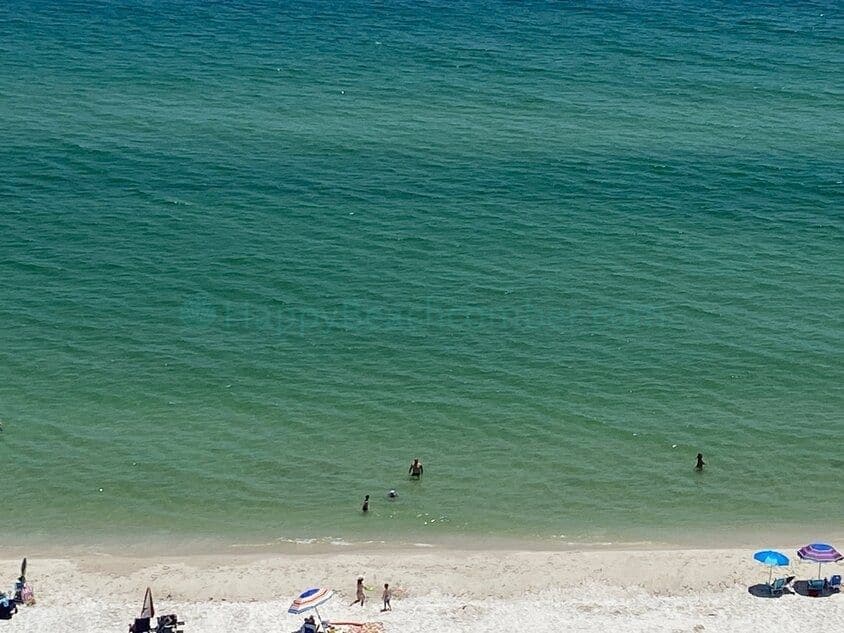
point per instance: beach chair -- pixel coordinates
(816, 586)
(835, 583)
(778, 586)
(169, 624)
(164, 624)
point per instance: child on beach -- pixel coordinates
(386, 597)
(360, 596)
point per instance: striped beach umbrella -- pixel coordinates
(310, 599)
(820, 553)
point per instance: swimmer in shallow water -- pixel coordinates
(415, 469)
(392, 494)
(365, 507)
(700, 463)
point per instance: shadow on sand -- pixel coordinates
(801, 587)
(764, 591)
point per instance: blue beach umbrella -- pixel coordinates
(772, 559)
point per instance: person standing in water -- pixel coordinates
(700, 463)
(360, 596)
(415, 469)
(365, 507)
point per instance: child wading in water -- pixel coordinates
(386, 597)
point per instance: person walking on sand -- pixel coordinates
(360, 596)
(415, 469)
(365, 507)
(700, 463)
(386, 597)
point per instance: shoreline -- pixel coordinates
(154, 546)
(655, 566)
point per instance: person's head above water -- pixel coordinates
(392, 494)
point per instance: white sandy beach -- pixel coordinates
(439, 590)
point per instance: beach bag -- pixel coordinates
(28, 594)
(7, 608)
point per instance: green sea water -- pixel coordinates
(255, 257)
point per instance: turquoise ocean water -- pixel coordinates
(254, 257)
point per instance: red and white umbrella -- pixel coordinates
(310, 599)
